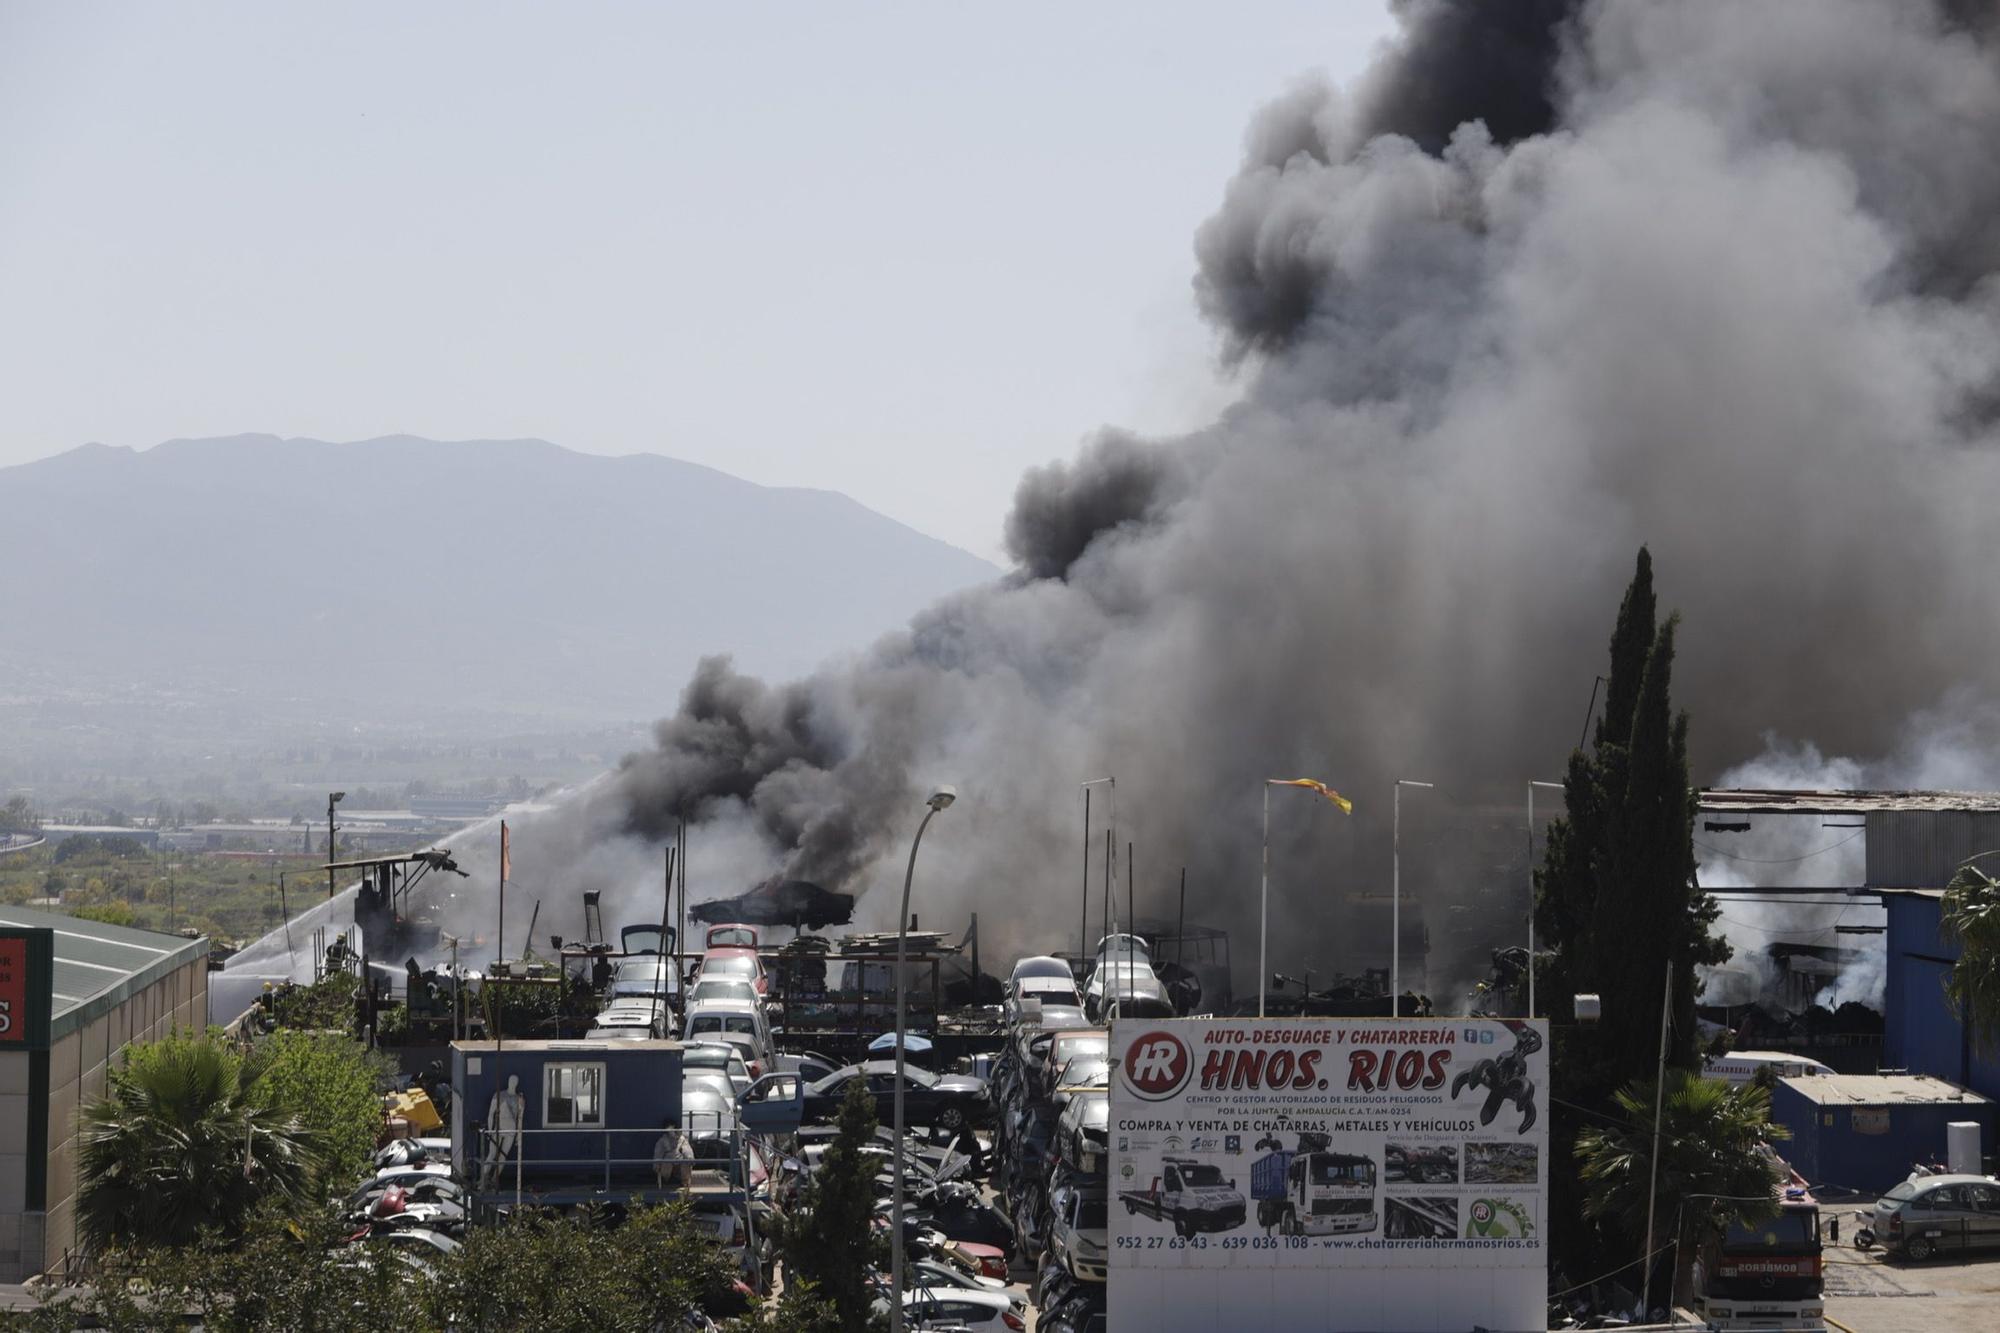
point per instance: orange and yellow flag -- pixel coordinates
(1346, 806)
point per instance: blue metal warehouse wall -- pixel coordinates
(1922, 1034)
(1827, 1149)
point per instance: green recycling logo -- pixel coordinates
(1493, 1219)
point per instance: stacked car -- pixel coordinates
(1052, 1101)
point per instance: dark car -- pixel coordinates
(947, 1101)
(781, 902)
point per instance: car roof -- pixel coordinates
(721, 1006)
(712, 1050)
(1931, 1182)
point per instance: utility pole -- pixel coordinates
(333, 798)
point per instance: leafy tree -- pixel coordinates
(327, 1005)
(565, 1275)
(1714, 1169)
(1972, 917)
(1616, 896)
(111, 914)
(17, 816)
(185, 1141)
(830, 1241)
(287, 1276)
(331, 1083)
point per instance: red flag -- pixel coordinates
(506, 857)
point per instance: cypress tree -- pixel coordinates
(1616, 894)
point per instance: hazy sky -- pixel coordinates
(901, 251)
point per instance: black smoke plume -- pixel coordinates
(1552, 281)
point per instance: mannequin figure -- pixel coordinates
(505, 1115)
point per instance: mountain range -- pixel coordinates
(396, 574)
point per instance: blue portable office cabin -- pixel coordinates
(1865, 1131)
(593, 1115)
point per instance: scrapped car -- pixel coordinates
(1083, 1132)
(742, 964)
(947, 1101)
(1038, 998)
(1078, 1230)
(780, 902)
(1129, 990)
(730, 935)
(741, 1025)
(719, 1056)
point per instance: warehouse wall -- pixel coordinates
(42, 1223)
(1922, 1033)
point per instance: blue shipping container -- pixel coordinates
(1267, 1175)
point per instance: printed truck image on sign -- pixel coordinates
(1298, 1146)
(1191, 1195)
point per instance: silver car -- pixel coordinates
(1931, 1215)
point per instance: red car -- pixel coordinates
(742, 964)
(730, 935)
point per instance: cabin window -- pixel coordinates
(573, 1096)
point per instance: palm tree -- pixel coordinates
(1971, 914)
(1715, 1168)
(186, 1141)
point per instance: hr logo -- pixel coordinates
(1157, 1065)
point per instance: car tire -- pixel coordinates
(951, 1118)
(1919, 1248)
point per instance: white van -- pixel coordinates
(1740, 1067)
(741, 1025)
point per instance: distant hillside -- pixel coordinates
(505, 575)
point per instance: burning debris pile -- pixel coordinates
(1554, 279)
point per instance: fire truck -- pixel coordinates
(1766, 1275)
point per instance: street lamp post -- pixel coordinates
(1553, 786)
(1396, 897)
(940, 799)
(333, 798)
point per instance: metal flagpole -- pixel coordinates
(1531, 887)
(1083, 926)
(1264, 903)
(500, 951)
(1653, 1172)
(1396, 901)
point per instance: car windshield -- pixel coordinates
(723, 988)
(1096, 1113)
(1090, 1215)
(1085, 1072)
(1201, 1174)
(737, 937)
(1077, 1047)
(703, 1023)
(1335, 1171)
(732, 965)
(1790, 1229)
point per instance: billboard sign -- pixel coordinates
(14, 989)
(25, 957)
(1266, 1144)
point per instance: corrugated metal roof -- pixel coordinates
(1880, 1090)
(1751, 801)
(96, 964)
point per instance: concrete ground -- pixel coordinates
(1866, 1293)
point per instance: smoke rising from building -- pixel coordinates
(1552, 281)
